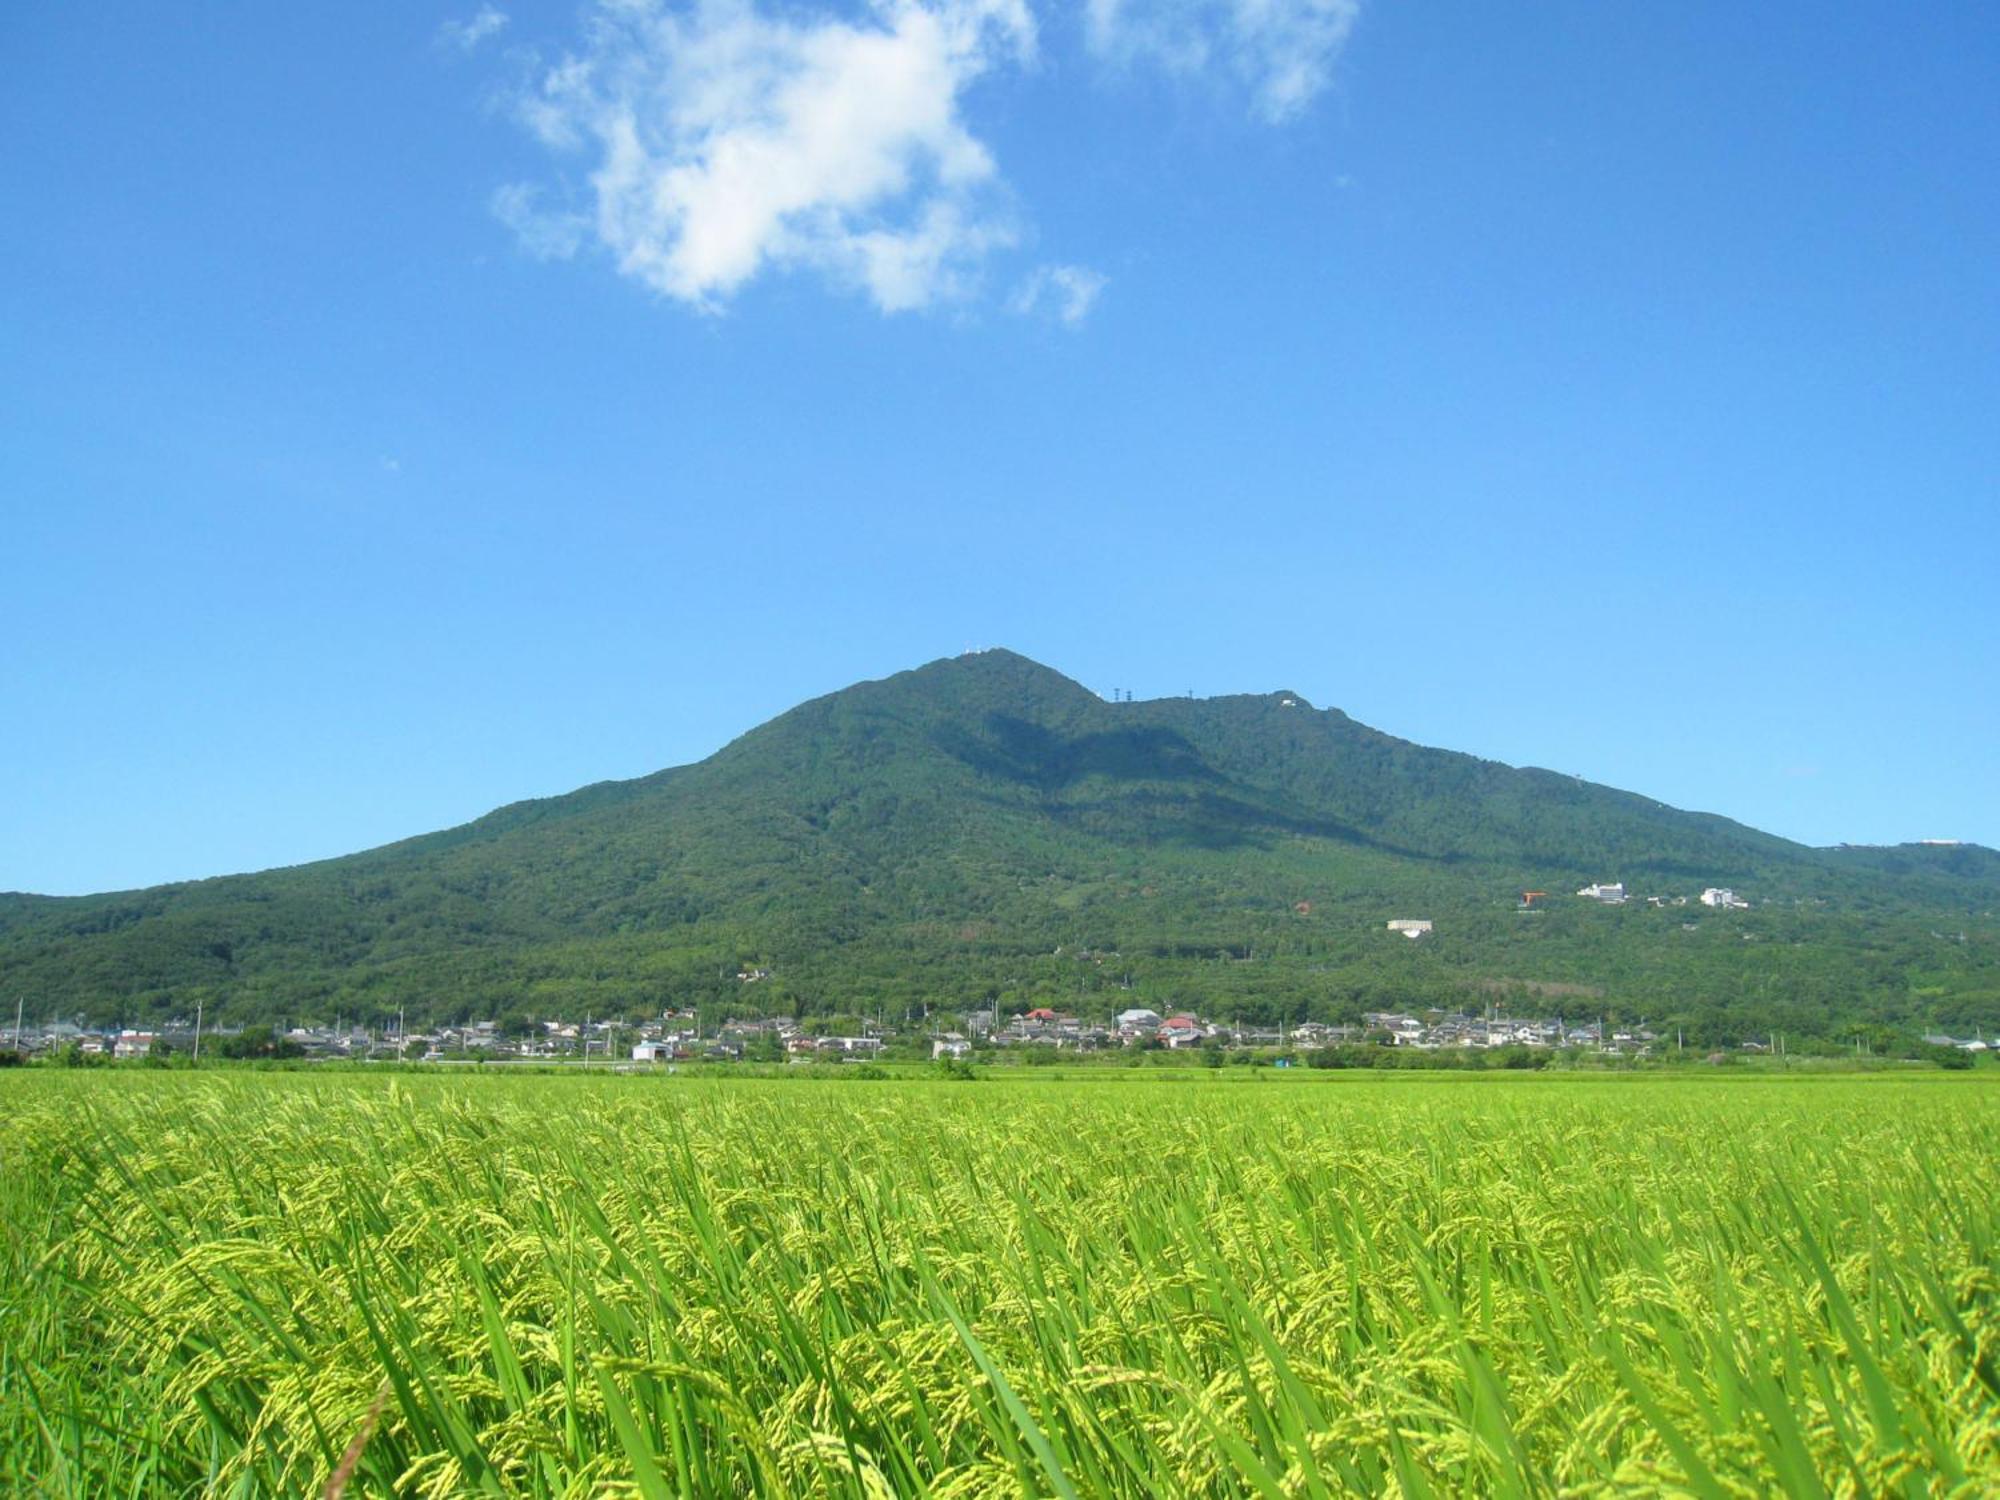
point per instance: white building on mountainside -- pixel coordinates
(1610, 895)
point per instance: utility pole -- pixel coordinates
(197, 1030)
(18, 1003)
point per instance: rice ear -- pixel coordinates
(336, 1483)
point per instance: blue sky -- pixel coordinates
(409, 410)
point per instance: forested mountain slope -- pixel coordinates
(984, 826)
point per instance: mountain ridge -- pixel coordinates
(850, 840)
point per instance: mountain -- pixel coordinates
(984, 827)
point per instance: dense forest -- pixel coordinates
(983, 829)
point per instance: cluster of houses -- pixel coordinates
(679, 1037)
(683, 1039)
(1455, 1029)
(1605, 893)
(1614, 894)
(675, 1038)
(1137, 1026)
(1141, 1027)
(554, 1039)
(120, 1043)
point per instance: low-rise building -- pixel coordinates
(132, 1044)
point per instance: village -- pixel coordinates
(678, 1037)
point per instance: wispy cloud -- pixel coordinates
(1066, 293)
(724, 140)
(1283, 51)
(544, 233)
(464, 36)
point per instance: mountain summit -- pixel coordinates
(964, 830)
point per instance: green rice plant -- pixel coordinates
(247, 1284)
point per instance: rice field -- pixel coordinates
(216, 1283)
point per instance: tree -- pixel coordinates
(259, 1042)
(518, 1023)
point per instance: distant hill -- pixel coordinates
(983, 827)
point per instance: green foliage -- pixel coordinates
(984, 827)
(257, 1042)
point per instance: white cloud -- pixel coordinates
(467, 34)
(1282, 50)
(1066, 293)
(721, 140)
(725, 140)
